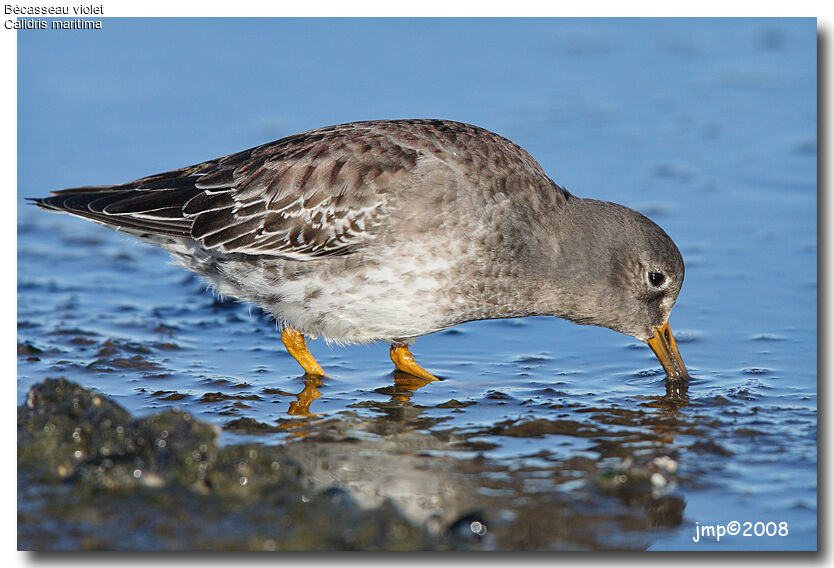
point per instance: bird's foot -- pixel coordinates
(404, 361)
(297, 347)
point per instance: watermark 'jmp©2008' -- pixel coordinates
(736, 528)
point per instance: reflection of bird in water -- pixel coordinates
(389, 230)
(405, 385)
(310, 392)
(677, 394)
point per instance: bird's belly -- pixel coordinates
(359, 312)
(393, 298)
(379, 304)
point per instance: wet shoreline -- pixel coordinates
(101, 479)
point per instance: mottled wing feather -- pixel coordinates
(318, 193)
(310, 195)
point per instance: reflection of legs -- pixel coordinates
(405, 384)
(301, 407)
(404, 361)
(297, 347)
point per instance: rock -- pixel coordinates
(92, 477)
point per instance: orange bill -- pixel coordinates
(664, 347)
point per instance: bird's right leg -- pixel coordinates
(404, 361)
(297, 347)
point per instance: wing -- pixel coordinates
(318, 193)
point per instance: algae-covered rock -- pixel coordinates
(62, 426)
(93, 477)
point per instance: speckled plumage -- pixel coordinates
(388, 230)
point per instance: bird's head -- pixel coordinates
(630, 273)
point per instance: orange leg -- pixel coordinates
(297, 347)
(404, 361)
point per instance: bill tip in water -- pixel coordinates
(666, 350)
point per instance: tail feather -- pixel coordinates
(134, 211)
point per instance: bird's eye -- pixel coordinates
(656, 278)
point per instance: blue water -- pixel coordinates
(706, 126)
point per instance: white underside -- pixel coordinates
(395, 301)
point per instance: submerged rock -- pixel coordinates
(91, 476)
